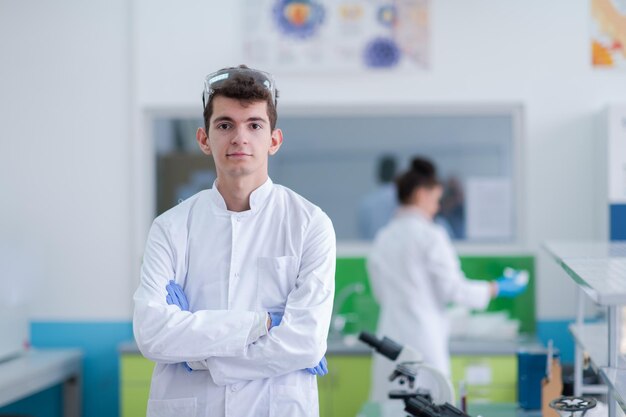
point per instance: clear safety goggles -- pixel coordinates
(214, 80)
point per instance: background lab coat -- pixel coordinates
(278, 255)
(415, 273)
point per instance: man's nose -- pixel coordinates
(239, 136)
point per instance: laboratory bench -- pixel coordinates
(489, 369)
(38, 369)
(599, 271)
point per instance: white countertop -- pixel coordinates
(36, 370)
(598, 267)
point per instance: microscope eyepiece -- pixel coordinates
(369, 338)
(384, 346)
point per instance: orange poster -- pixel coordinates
(608, 33)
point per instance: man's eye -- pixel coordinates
(256, 126)
(223, 126)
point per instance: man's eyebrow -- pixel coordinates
(222, 119)
(230, 119)
(256, 119)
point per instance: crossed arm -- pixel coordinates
(176, 296)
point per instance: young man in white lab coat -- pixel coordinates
(240, 255)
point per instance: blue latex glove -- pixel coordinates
(321, 369)
(276, 318)
(176, 296)
(512, 283)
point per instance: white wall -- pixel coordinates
(534, 52)
(64, 156)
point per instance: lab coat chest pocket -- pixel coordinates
(289, 401)
(276, 279)
(179, 407)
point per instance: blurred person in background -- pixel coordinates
(378, 206)
(415, 273)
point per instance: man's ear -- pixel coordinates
(277, 140)
(203, 141)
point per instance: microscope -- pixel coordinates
(573, 406)
(421, 403)
(409, 363)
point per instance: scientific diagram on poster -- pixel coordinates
(332, 35)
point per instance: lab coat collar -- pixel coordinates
(412, 211)
(258, 198)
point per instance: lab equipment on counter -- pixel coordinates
(421, 406)
(417, 402)
(531, 370)
(408, 364)
(573, 406)
(338, 321)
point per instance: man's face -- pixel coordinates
(240, 138)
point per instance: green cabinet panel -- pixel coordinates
(491, 267)
(345, 388)
(490, 379)
(361, 310)
(135, 376)
(134, 367)
(342, 392)
(134, 399)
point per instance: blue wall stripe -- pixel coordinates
(558, 332)
(617, 221)
(99, 342)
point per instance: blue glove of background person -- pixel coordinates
(512, 283)
(321, 369)
(176, 296)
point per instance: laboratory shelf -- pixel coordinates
(593, 339)
(585, 250)
(616, 380)
(599, 268)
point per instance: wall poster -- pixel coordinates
(335, 35)
(608, 33)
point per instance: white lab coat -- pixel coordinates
(415, 272)
(234, 267)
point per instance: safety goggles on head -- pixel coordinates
(214, 80)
